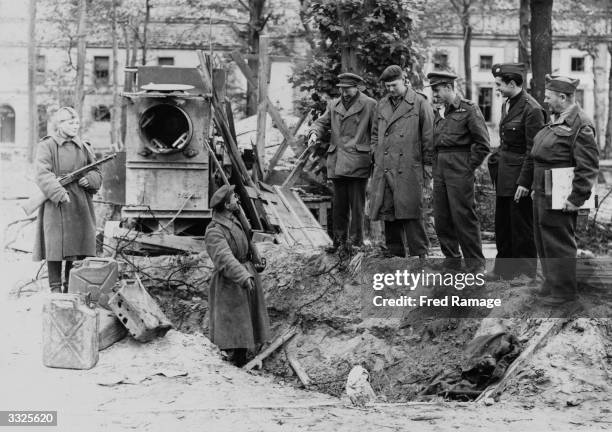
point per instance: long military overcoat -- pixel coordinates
(237, 318)
(402, 140)
(67, 229)
(348, 154)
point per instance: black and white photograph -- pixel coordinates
(305, 215)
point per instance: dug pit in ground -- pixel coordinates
(405, 353)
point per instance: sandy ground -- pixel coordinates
(199, 391)
(179, 382)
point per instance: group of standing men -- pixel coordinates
(392, 140)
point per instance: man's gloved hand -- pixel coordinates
(65, 198)
(249, 285)
(312, 139)
(521, 192)
(570, 207)
(83, 182)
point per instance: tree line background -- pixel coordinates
(363, 36)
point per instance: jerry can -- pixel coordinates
(138, 311)
(110, 329)
(96, 277)
(70, 332)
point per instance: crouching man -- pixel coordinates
(238, 315)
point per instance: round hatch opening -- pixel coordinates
(165, 128)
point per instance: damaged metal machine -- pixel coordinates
(167, 165)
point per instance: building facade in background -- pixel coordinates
(173, 43)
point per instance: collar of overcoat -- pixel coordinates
(568, 116)
(353, 109)
(404, 107)
(517, 108)
(228, 222)
(59, 140)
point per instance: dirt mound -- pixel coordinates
(402, 352)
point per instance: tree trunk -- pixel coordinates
(32, 108)
(541, 45)
(523, 36)
(467, 55)
(130, 61)
(144, 31)
(116, 108)
(308, 35)
(256, 25)
(608, 146)
(79, 90)
(348, 54)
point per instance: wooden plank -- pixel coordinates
(284, 236)
(266, 196)
(262, 91)
(547, 331)
(297, 169)
(248, 74)
(277, 343)
(319, 235)
(283, 146)
(181, 243)
(297, 367)
(242, 178)
(297, 222)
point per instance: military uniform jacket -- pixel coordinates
(237, 319)
(348, 154)
(65, 230)
(516, 130)
(565, 142)
(402, 140)
(463, 128)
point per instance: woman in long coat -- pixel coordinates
(66, 221)
(238, 315)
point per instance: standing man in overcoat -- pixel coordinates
(66, 221)
(567, 141)
(522, 118)
(461, 142)
(402, 142)
(348, 158)
(238, 317)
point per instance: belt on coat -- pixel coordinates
(540, 164)
(449, 149)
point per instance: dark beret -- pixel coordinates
(441, 77)
(392, 73)
(508, 68)
(222, 194)
(561, 84)
(349, 80)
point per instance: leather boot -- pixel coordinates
(56, 288)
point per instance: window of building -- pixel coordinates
(579, 97)
(7, 124)
(42, 120)
(100, 113)
(101, 73)
(41, 63)
(440, 61)
(485, 100)
(165, 61)
(577, 64)
(486, 62)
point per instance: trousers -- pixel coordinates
(348, 207)
(516, 250)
